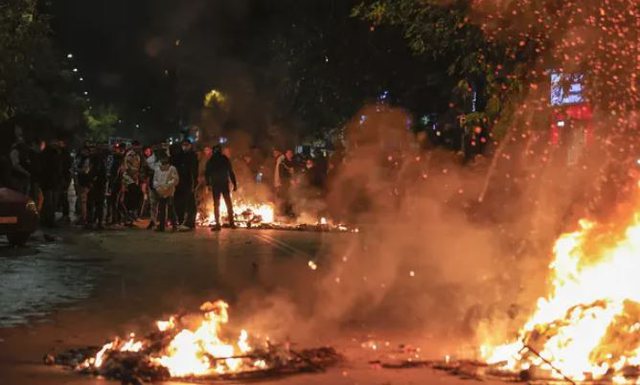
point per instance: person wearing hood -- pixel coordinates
(165, 180)
(218, 174)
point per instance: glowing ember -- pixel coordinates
(588, 326)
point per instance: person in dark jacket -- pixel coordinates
(286, 171)
(20, 164)
(83, 183)
(218, 174)
(97, 188)
(186, 162)
(50, 182)
(114, 184)
(67, 165)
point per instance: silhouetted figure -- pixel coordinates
(285, 169)
(186, 162)
(97, 189)
(115, 191)
(219, 173)
(67, 165)
(50, 182)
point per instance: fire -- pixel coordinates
(246, 213)
(191, 352)
(588, 327)
(249, 214)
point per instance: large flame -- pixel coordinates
(192, 352)
(588, 327)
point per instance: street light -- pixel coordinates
(75, 70)
(81, 79)
(69, 56)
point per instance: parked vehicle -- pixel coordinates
(18, 216)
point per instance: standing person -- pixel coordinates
(131, 181)
(152, 196)
(83, 168)
(202, 190)
(186, 162)
(50, 182)
(115, 161)
(322, 170)
(19, 157)
(165, 180)
(35, 169)
(97, 188)
(285, 172)
(278, 157)
(219, 173)
(67, 165)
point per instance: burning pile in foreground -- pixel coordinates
(193, 348)
(588, 327)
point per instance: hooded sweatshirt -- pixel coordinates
(165, 181)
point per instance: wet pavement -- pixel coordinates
(90, 287)
(40, 278)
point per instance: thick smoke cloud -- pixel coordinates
(429, 255)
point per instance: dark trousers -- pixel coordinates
(113, 207)
(164, 205)
(49, 207)
(284, 199)
(64, 198)
(95, 205)
(133, 200)
(217, 192)
(185, 202)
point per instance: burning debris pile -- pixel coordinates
(195, 349)
(588, 327)
(262, 216)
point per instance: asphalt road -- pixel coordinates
(88, 287)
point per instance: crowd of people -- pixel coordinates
(170, 185)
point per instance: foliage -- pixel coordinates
(446, 33)
(333, 64)
(101, 123)
(24, 44)
(34, 85)
(510, 46)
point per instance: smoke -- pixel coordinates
(429, 255)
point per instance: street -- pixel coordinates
(91, 287)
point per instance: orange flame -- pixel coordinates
(192, 353)
(588, 326)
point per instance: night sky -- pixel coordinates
(138, 55)
(155, 59)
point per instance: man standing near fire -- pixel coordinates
(218, 174)
(285, 167)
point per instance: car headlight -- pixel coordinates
(31, 206)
